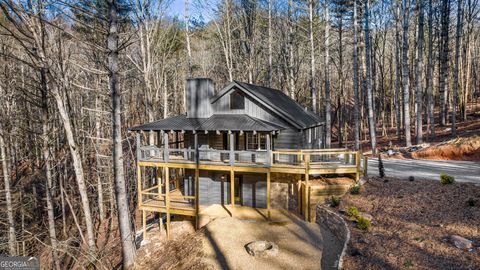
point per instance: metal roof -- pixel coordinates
(279, 102)
(232, 122)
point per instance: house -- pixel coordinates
(245, 145)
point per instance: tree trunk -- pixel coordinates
(368, 66)
(187, 37)
(291, 64)
(456, 68)
(398, 75)
(328, 105)
(48, 169)
(418, 76)
(124, 222)
(313, 89)
(270, 44)
(406, 73)
(78, 168)
(430, 67)
(443, 72)
(355, 77)
(12, 239)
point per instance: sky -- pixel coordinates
(177, 8)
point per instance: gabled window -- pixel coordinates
(237, 100)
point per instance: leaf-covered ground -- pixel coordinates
(412, 222)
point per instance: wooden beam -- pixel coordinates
(159, 191)
(139, 185)
(197, 197)
(232, 187)
(268, 194)
(167, 199)
(305, 191)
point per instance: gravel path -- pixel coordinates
(463, 171)
(299, 243)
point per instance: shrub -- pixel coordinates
(363, 223)
(352, 211)
(446, 179)
(334, 201)
(355, 190)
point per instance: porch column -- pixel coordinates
(232, 188)
(165, 143)
(138, 141)
(232, 147)
(268, 194)
(197, 197)
(196, 158)
(269, 150)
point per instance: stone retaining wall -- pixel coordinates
(338, 227)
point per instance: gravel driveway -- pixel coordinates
(463, 171)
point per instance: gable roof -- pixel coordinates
(276, 101)
(232, 122)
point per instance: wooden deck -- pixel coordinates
(305, 162)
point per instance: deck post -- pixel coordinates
(197, 203)
(232, 187)
(232, 147)
(159, 191)
(306, 212)
(167, 200)
(165, 142)
(139, 185)
(268, 194)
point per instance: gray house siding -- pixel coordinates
(212, 190)
(252, 108)
(254, 191)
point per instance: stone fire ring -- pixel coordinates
(262, 249)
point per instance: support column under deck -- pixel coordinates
(232, 187)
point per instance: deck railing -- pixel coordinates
(258, 158)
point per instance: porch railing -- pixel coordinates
(262, 158)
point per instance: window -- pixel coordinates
(237, 100)
(256, 141)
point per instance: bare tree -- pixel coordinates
(458, 35)
(355, 77)
(406, 72)
(124, 222)
(430, 66)
(328, 101)
(313, 89)
(418, 75)
(371, 116)
(12, 239)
